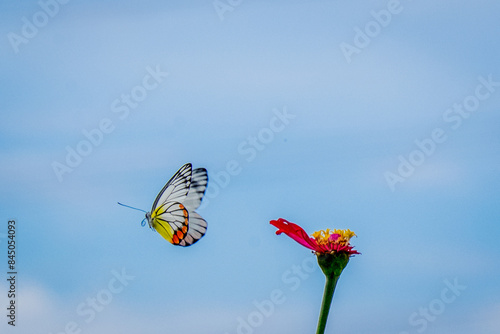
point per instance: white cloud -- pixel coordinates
(37, 310)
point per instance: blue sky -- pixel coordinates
(220, 81)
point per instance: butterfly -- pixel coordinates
(173, 213)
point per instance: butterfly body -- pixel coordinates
(173, 213)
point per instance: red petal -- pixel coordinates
(295, 232)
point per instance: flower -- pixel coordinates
(333, 251)
(322, 242)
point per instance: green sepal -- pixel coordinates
(333, 264)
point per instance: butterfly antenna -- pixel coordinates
(131, 207)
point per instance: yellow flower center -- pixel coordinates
(323, 237)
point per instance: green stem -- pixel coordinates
(330, 284)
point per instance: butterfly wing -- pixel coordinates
(173, 214)
(199, 181)
(197, 225)
(196, 229)
(176, 189)
(171, 221)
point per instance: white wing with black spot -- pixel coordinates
(176, 189)
(199, 181)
